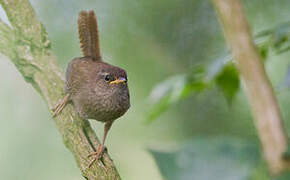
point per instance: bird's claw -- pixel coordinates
(96, 158)
(97, 155)
(60, 105)
(94, 154)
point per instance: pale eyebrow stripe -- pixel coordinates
(105, 73)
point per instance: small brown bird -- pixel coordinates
(97, 89)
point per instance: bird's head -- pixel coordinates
(111, 79)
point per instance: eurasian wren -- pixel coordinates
(97, 89)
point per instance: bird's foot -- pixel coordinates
(59, 106)
(97, 155)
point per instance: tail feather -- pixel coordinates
(88, 34)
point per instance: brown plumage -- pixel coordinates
(97, 89)
(88, 34)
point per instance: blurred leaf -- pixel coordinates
(264, 33)
(264, 50)
(281, 35)
(165, 94)
(217, 66)
(209, 158)
(228, 81)
(195, 82)
(278, 38)
(158, 109)
(174, 89)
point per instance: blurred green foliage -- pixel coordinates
(222, 72)
(174, 89)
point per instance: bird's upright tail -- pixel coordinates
(88, 35)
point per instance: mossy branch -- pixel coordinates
(265, 108)
(26, 44)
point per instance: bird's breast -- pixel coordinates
(108, 106)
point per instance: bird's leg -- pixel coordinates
(59, 106)
(99, 152)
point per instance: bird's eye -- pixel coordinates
(107, 78)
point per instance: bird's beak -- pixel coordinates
(120, 80)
